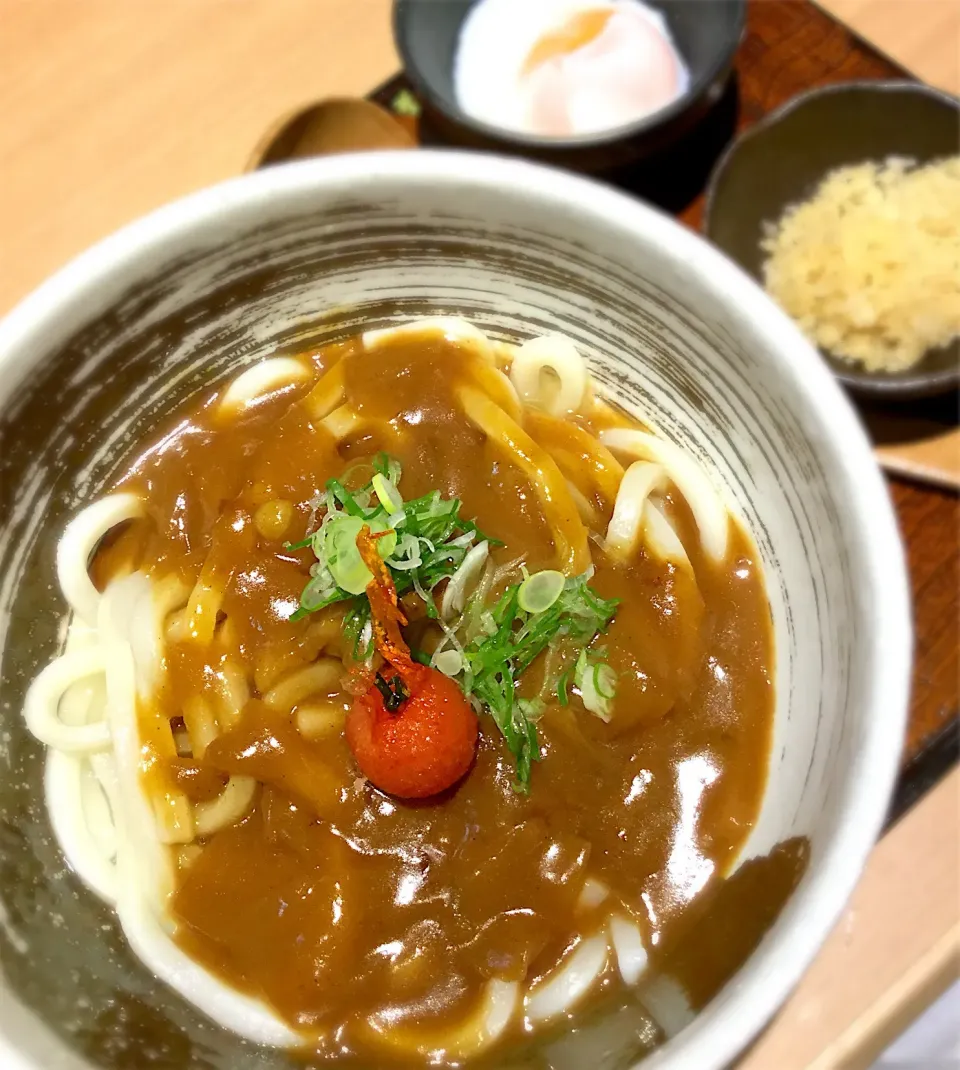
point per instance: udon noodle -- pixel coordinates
(197, 764)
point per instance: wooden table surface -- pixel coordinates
(112, 107)
(921, 35)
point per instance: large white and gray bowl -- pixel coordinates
(146, 319)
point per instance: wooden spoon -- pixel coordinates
(341, 124)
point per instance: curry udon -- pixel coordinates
(414, 697)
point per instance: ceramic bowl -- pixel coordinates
(286, 257)
(783, 158)
(706, 32)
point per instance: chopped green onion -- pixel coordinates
(387, 493)
(562, 684)
(388, 466)
(387, 543)
(435, 538)
(531, 708)
(538, 592)
(345, 498)
(405, 103)
(597, 684)
(406, 554)
(320, 591)
(466, 575)
(510, 640)
(341, 556)
(358, 630)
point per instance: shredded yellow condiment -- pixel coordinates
(870, 265)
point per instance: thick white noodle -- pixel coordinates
(63, 784)
(258, 381)
(668, 1005)
(661, 537)
(713, 521)
(554, 353)
(42, 706)
(80, 794)
(343, 422)
(76, 800)
(504, 351)
(452, 328)
(77, 544)
(471, 567)
(144, 865)
(85, 706)
(495, 1012)
(626, 524)
(569, 982)
(629, 949)
(143, 634)
(243, 1015)
(499, 1005)
(517, 413)
(227, 808)
(136, 828)
(592, 894)
(587, 512)
(97, 789)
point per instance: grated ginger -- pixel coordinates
(869, 266)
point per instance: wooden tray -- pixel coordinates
(789, 46)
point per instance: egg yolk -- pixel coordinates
(579, 30)
(602, 68)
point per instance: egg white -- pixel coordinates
(497, 37)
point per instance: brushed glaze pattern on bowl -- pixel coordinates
(283, 260)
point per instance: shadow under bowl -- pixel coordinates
(706, 32)
(783, 158)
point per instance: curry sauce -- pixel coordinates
(350, 912)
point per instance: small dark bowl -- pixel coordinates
(706, 33)
(782, 159)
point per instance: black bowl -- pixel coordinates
(706, 32)
(782, 159)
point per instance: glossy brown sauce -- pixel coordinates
(336, 904)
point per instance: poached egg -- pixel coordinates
(560, 68)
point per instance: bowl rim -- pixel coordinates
(624, 132)
(74, 295)
(866, 384)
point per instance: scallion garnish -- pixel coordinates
(538, 592)
(429, 542)
(495, 659)
(597, 684)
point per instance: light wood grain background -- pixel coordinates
(921, 35)
(112, 107)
